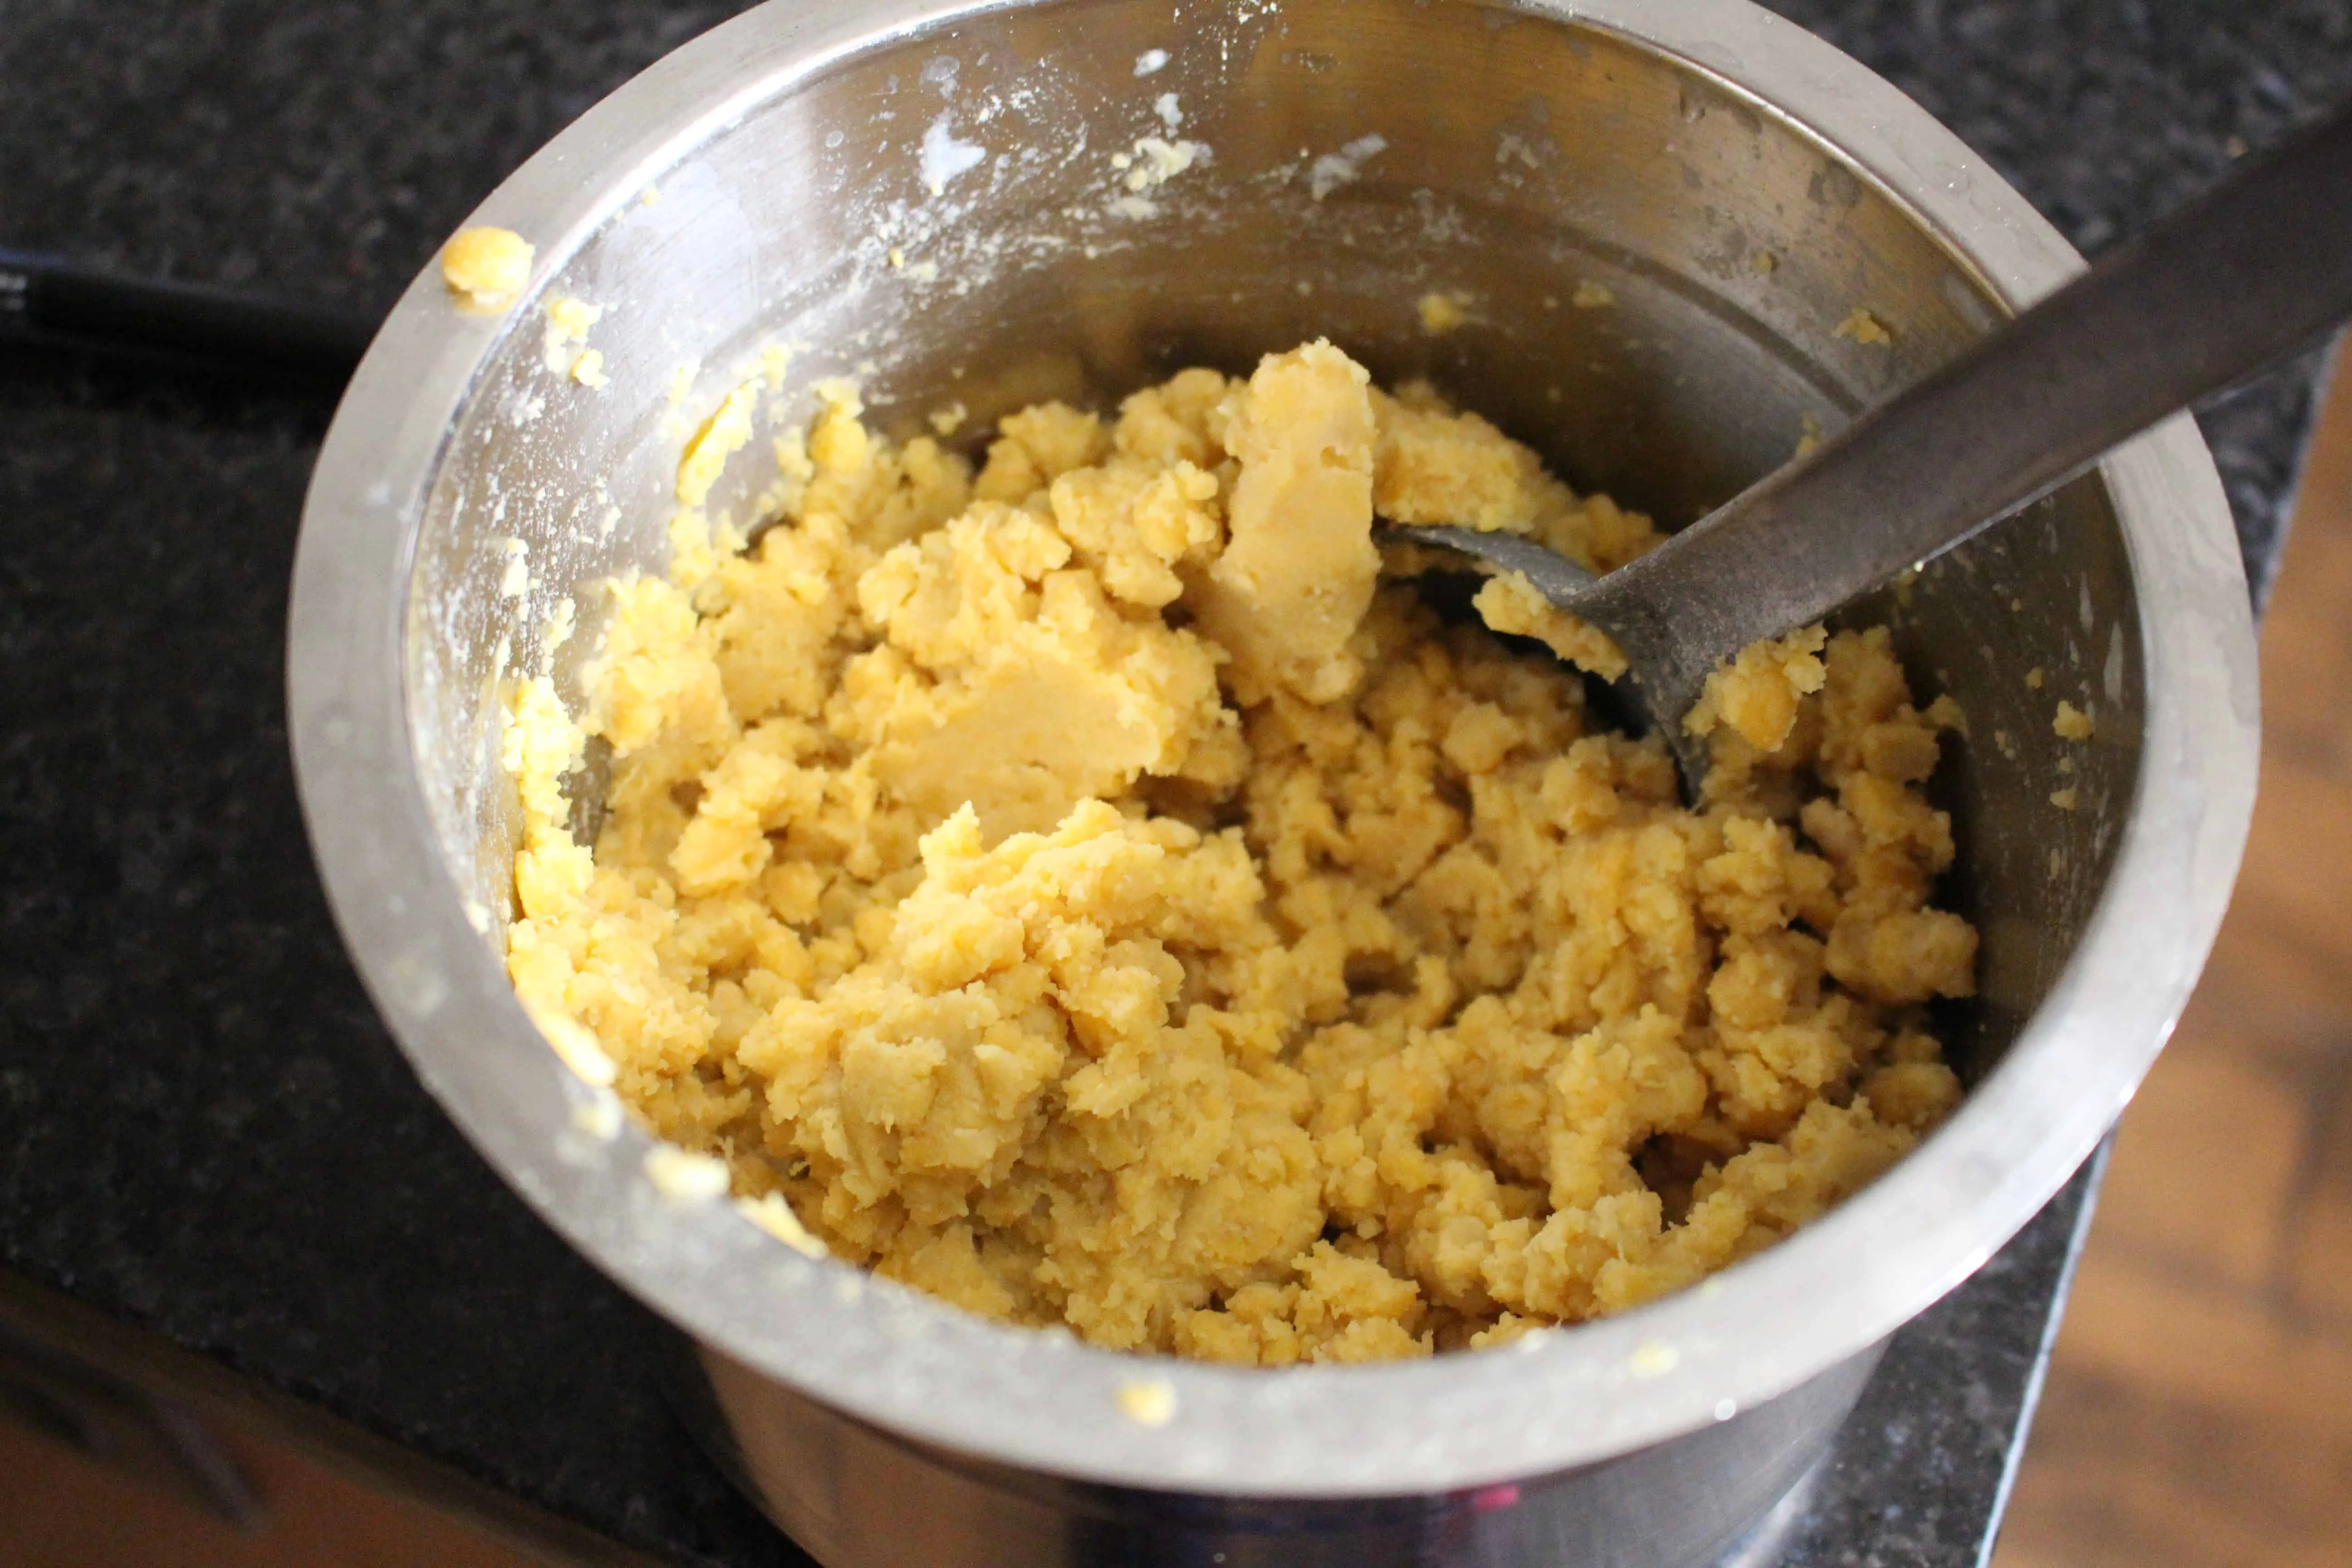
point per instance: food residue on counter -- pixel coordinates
(1082, 887)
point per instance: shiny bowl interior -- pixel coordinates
(932, 200)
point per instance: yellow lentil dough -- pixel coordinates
(1083, 890)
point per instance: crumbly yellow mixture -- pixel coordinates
(1759, 693)
(1083, 890)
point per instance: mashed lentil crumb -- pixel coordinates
(1863, 327)
(484, 269)
(1081, 889)
(1443, 311)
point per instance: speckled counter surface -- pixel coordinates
(205, 1134)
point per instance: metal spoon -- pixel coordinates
(2221, 288)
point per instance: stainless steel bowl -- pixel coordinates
(924, 196)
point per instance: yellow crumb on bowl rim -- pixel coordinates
(1442, 310)
(486, 269)
(1653, 1358)
(683, 1176)
(1147, 1402)
(726, 431)
(2071, 724)
(772, 1214)
(569, 322)
(599, 1115)
(1863, 327)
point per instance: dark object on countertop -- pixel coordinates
(49, 301)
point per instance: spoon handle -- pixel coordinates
(2235, 280)
(48, 302)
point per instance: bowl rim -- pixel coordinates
(892, 1357)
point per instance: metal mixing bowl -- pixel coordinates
(924, 196)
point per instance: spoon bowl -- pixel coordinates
(2253, 269)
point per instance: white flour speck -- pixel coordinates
(515, 582)
(1156, 162)
(1336, 169)
(944, 157)
(1150, 60)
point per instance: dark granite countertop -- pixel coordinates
(207, 1137)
